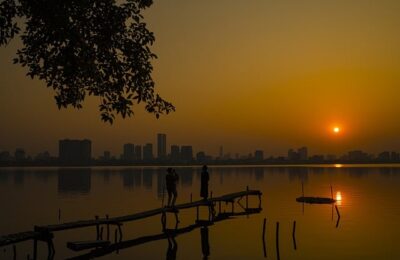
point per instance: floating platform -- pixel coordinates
(316, 200)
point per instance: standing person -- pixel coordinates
(204, 182)
(171, 178)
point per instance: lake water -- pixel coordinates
(368, 202)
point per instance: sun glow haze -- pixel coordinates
(336, 130)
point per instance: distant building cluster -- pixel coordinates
(79, 153)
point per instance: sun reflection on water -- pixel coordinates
(338, 198)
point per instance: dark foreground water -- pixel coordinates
(368, 202)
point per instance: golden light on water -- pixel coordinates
(338, 165)
(338, 198)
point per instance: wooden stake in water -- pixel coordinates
(337, 211)
(294, 235)
(331, 192)
(302, 194)
(264, 224)
(263, 238)
(277, 241)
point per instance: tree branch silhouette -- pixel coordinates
(87, 47)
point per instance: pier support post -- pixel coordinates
(35, 249)
(197, 213)
(97, 227)
(50, 248)
(108, 228)
(176, 219)
(101, 233)
(120, 231)
(163, 220)
(14, 252)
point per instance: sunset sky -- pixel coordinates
(247, 75)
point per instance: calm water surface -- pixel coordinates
(369, 227)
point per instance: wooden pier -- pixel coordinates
(45, 233)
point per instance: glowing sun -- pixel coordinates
(336, 130)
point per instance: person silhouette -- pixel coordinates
(171, 179)
(204, 182)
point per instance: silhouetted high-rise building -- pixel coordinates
(161, 146)
(106, 156)
(175, 153)
(186, 153)
(358, 156)
(292, 155)
(148, 152)
(331, 157)
(5, 156)
(303, 153)
(201, 157)
(394, 156)
(129, 152)
(259, 155)
(384, 156)
(75, 152)
(43, 157)
(20, 155)
(138, 152)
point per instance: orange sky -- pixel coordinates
(243, 74)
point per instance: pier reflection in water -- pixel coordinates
(368, 204)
